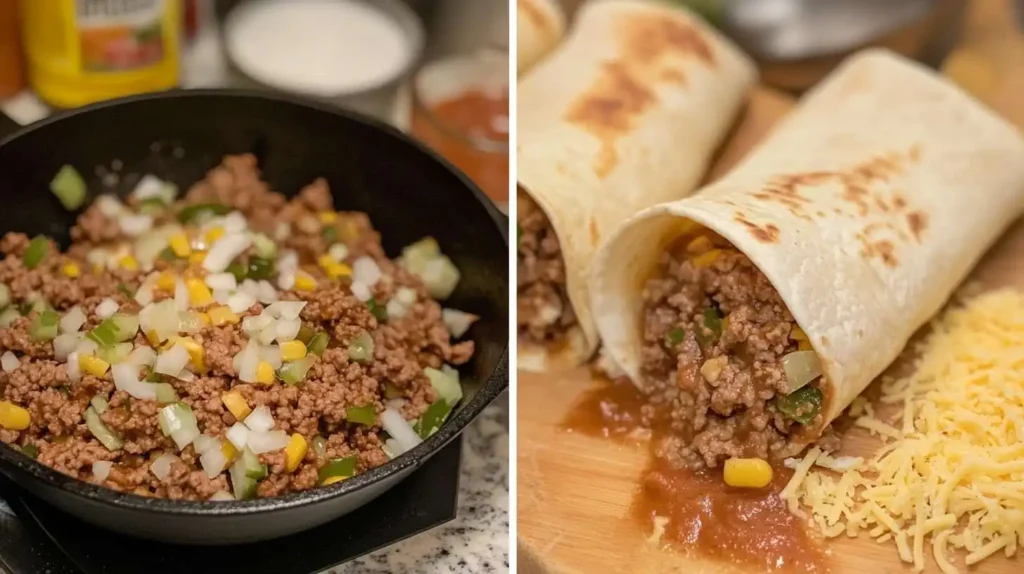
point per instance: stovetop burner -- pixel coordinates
(36, 538)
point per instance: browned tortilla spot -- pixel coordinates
(882, 249)
(768, 233)
(652, 49)
(917, 221)
(595, 234)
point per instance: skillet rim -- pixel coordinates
(18, 465)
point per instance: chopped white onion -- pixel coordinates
(286, 280)
(73, 320)
(149, 245)
(9, 362)
(395, 309)
(256, 324)
(366, 271)
(126, 378)
(172, 361)
(185, 375)
(86, 347)
(101, 470)
(64, 345)
(106, 308)
(287, 329)
(240, 302)
(148, 187)
(395, 404)
(109, 205)
(74, 371)
(405, 296)
(142, 357)
(205, 442)
(247, 361)
(221, 495)
(234, 222)
(161, 467)
(238, 434)
(180, 295)
(391, 448)
(221, 296)
(272, 355)
(213, 461)
(338, 252)
(400, 430)
(268, 334)
(144, 296)
(134, 225)
(225, 250)
(361, 291)
(288, 261)
(260, 419)
(285, 309)
(161, 318)
(185, 435)
(267, 441)
(266, 292)
(190, 322)
(250, 286)
(224, 281)
(458, 322)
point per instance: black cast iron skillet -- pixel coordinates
(408, 191)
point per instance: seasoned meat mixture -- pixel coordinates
(715, 337)
(228, 345)
(544, 311)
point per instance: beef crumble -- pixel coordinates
(363, 341)
(544, 312)
(715, 335)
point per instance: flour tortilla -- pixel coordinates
(540, 25)
(865, 209)
(625, 114)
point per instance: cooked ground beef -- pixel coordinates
(544, 311)
(715, 334)
(100, 269)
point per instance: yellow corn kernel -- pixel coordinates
(327, 217)
(699, 245)
(332, 480)
(198, 293)
(747, 472)
(95, 366)
(213, 234)
(71, 270)
(204, 318)
(797, 334)
(97, 269)
(221, 315)
(805, 346)
(180, 245)
(295, 452)
(128, 262)
(197, 258)
(152, 337)
(228, 450)
(236, 404)
(264, 373)
(195, 351)
(292, 350)
(706, 259)
(304, 282)
(325, 260)
(13, 417)
(336, 270)
(166, 280)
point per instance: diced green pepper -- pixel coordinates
(152, 206)
(242, 486)
(198, 211)
(30, 450)
(294, 372)
(377, 310)
(115, 353)
(801, 405)
(99, 403)
(392, 392)
(446, 384)
(318, 344)
(254, 469)
(713, 321)
(168, 254)
(36, 251)
(337, 467)
(330, 234)
(360, 349)
(125, 290)
(8, 316)
(364, 415)
(673, 339)
(5, 295)
(107, 437)
(260, 268)
(118, 328)
(44, 326)
(104, 334)
(432, 418)
(165, 394)
(305, 335)
(69, 187)
(239, 271)
(264, 246)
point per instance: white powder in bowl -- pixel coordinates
(317, 47)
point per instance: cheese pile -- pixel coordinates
(951, 470)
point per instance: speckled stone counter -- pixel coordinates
(477, 540)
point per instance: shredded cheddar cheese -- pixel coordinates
(950, 474)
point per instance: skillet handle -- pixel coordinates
(7, 126)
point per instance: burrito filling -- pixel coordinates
(544, 311)
(723, 355)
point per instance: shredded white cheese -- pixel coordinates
(952, 468)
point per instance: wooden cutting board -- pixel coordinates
(575, 492)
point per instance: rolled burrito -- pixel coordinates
(540, 25)
(624, 115)
(755, 311)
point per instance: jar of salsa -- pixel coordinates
(460, 107)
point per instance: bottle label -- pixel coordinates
(117, 35)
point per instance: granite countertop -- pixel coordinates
(477, 541)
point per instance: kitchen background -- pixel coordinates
(438, 69)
